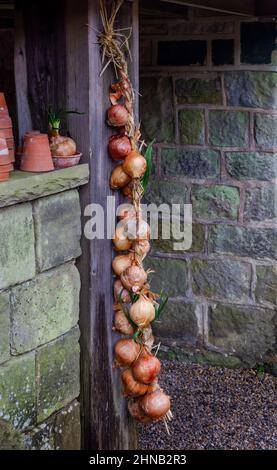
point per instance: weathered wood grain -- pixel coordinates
(106, 423)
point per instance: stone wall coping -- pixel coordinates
(25, 186)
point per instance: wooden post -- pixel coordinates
(106, 422)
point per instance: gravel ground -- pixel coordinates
(215, 408)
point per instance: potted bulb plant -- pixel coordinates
(63, 148)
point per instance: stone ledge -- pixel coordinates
(24, 186)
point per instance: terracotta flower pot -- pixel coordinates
(3, 105)
(19, 150)
(7, 144)
(36, 156)
(5, 122)
(5, 158)
(5, 171)
(66, 162)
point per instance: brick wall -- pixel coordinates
(39, 311)
(209, 95)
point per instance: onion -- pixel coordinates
(146, 368)
(119, 290)
(137, 229)
(126, 352)
(128, 190)
(148, 338)
(119, 178)
(136, 411)
(133, 278)
(125, 211)
(120, 241)
(62, 146)
(122, 324)
(142, 312)
(132, 388)
(119, 147)
(121, 263)
(117, 115)
(142, 247)
(134, 164)
(155, 404)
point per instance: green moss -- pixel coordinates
(191, 126)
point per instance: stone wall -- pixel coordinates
(40, 234)
(209, 96)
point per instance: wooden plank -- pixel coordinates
(105, 420)
(39, 62)
(237, 7)
(24, 119)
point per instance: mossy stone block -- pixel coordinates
(251, 165)
(194, 90)
(215, 202)
(17, 391)
(58, 229)
(191, 127)
(170, 275)
(266, 287)
(58, 374)
(197, 164)
(44, 308)
(228, 128)
(245, 331)
(17, 250)
(4, 326)
(156, 108)
(222, 279)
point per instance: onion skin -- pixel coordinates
(118, 289)
(133, 278)
(119, 178)
(125, 211)
(142, 248)
(117, 115)
(147, 338)
(146, 368)
(137, 229)
(136, 411)
(128, 190)
(62, 146)
(135, 164)
(120, 241)
(132, 388)
(142, 312)
(122, 324)
(121, 262)
(126, 352)
(119, 147)
(155, 404)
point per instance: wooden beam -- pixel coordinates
(106, 422)
(236, 7)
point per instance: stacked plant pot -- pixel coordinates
(6, 128)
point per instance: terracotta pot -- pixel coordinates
(5, 122)
(66, 162)
(9, 144)
(36, 156)
(5, 171)
(5, 158)
(3, 105)
(19, 150)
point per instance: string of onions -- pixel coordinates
(134, 302)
